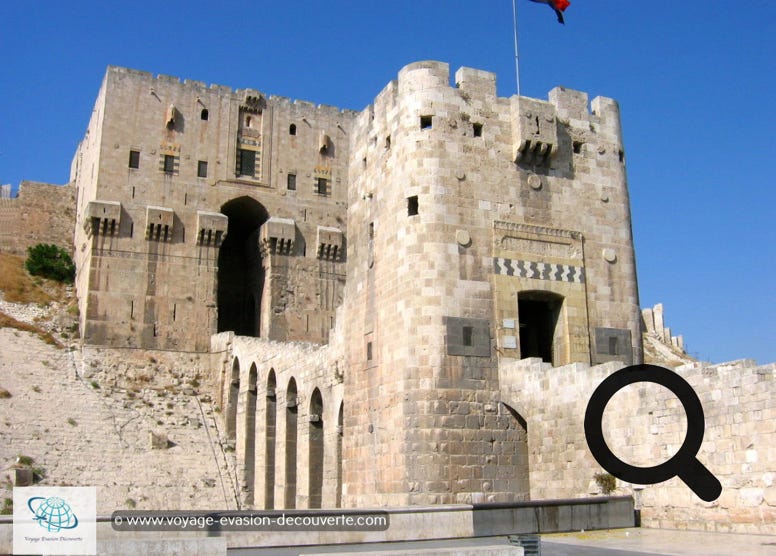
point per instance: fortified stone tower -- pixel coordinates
(481, 230)
(203, 209)
(478, 231)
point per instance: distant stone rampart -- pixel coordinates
(41, 213)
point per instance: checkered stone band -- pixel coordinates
(540, 271)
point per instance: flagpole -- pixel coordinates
(517, 59)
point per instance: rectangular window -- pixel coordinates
(291, 182)
(412, 205)
(477, 129)
(468, 333)
(425, 122)
(134, 159)
(369, 351)
(321, 186)
(613, 345)
(169, 163)
(201, 169)
(246, 163)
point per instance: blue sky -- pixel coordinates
(695, 82)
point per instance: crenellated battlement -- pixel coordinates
(539, 128)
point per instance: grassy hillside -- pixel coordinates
(19, 287)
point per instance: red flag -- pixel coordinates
(558, 6)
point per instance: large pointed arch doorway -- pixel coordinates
(240, 270)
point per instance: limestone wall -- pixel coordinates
(142, 445)
(41, 213)
(654, 325)
(644, 424)
(174, 181)
(265, 388)
(461, 203)
(126, 367)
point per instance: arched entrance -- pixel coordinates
(240, 272)
(539, 315)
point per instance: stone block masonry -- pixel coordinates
(644, 425)
(41, 213)
(399, 306)
(81, 432)
(481, 230)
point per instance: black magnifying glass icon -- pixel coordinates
(683, 464)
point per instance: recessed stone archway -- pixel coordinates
(240, 268)
(270, 441)
(249, 442)
(231, 401)
(291, 440)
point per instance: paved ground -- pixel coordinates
(620, 542)
(662, 541)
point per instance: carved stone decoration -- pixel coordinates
(324, 143)
(463, 238)
(171, 116)
(534, 182)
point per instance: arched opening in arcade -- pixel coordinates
(249, 446)
(269, 457)
(315, 449)
(231, 402)
(291, 426)
(340, 430)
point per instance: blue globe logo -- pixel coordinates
(53, 514)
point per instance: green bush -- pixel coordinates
(50, 261)
(606, 482)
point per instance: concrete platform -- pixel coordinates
(657, 541)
